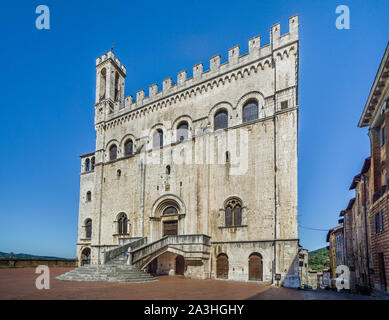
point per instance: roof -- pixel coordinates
(333, 230)
(357, 178)
(87, 154)
(372, 106)
(350, 204)
(366, 165)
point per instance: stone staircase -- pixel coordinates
(116, 270)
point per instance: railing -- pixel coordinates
(139, 253)
(113, 253)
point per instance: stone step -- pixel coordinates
(107, 273)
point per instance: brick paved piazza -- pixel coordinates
(19, 283)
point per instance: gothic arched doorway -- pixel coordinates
(255, 267)
(180, 265)
(222, 266)
(85, 256)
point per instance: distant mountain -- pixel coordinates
(319, 259)
(4, 255)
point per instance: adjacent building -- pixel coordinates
(375, 117)
(365, 221)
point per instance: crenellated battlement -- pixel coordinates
(235, 59)
(111, 56)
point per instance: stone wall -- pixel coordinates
(261, 172)
(32, 263)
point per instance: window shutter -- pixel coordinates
(374, 225)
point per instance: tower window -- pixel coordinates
(119, 173)
(93, 163)
(87, 165)
(89, 196)
(88, 228)
(250, 111)
(117, 91)
(284, 105)
(168, 170)
(113, 150)
(103, 81)
(221, 120)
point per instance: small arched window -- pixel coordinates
(182, 131)
(88, 228)
(117, 91)
(158, 138)
(89, 196)
(168, 170)
(87, 165)
(122, 224)
(128, 148)
(221, 120)
(170, 211)
(93, 163)
(103, 80)
(250, 111)
(113, 152)
(119, 173)
(233, 213)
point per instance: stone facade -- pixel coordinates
(149, 178)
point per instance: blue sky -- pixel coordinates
(48, 80)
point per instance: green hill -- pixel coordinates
(4, 255)
(319, 259)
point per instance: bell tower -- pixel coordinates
(110, 80)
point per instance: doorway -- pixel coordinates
(180, 265)
(170, 228)
(255, 267)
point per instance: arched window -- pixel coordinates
(250, 111)
(182, 131)
(87, 165)
(221, 120)
(158, 138)
(233, 213)
(89, 196)
(113, 151)
(227, 156)
(128, 148)
(222, 266)
(170, 211)
(168, 170)
(117, 91)
(88, 228)
(119, 173)
(122, 224)
(103, 80)
(93, 163)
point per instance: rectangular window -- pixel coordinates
(284, 105)
(378, 223)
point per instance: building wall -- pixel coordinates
(200, 189)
